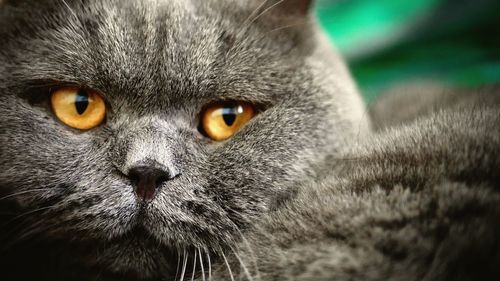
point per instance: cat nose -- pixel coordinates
(147, 180)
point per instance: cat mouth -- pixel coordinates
(141, 256)
(148, 251)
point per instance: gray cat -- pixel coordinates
(224, 140)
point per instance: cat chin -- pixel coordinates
(136, 254)
(142, 253)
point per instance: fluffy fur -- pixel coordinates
(67, 193)
(279, 200)
(417, 201)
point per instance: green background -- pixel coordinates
(394, 41)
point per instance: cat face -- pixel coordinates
(158, 66)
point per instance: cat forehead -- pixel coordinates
(136, 46)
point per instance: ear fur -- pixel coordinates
(300, 6)
(289, 7)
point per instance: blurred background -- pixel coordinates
(390, 42)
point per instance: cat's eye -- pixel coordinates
(221, 120)
(78, 108)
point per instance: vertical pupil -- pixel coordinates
(81, 102)
(229, 114)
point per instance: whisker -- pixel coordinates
(13, 238)
(184, 266)
(69, 8)
(201, 264)
(252, 254)
(29, 213)
(245, 269)
(246, 27)
(209, 265)
(178, 264)
(24, 232)
(264, 12)
(194, 265)
(227, 264)
(255, 11)
(34, 229)
(285, 27)
(27, 191)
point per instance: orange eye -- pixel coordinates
(220, 121)
(78, 108)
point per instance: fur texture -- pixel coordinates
(418, 201)
(303, 192)
(69, 209)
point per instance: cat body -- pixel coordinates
(415, 201)
(278, 200)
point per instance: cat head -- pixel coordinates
(148, 172)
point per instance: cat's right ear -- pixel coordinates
(286, 7)
(299, 7)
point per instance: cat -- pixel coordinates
(303, 191)
(71, 209)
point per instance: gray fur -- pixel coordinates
(158, 63)
(280, 193)
(419, 201)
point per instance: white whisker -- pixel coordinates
(264, 12)
(194, 264)
(27, 191)
(251, 252)
(29, 213)
(245, 269)
(246, 27)
(285, 27)
(228, 267)
(209, 265)
(69, 8)
(255, 12)
(201, 264)
(178, 264)
(184, 265)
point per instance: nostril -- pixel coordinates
(133, 176)
(159, 181)
(147, 180)
(163, 178)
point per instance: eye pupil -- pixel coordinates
(229, 118)
(81, 102)
(230, 113)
